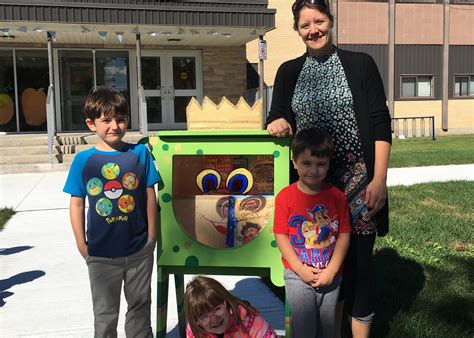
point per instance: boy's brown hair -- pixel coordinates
(317, 140)
(107, 102)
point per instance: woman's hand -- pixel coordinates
(279, 128)
(375, 196)
(376, 193)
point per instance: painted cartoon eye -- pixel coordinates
(208, 180)
(239, 181)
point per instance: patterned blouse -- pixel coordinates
(322, 98)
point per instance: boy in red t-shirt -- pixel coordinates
(312, 231)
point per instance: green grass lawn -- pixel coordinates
(415, 152)
(425, 265)
(5, 215)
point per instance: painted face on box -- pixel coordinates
(228, 199)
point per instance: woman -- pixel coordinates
(342, 92)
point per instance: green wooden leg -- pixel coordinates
(179, 284)
(161, 302)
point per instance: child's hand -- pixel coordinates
(83, 250)
(324, 277)
(307, 274)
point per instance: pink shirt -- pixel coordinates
(254, 326)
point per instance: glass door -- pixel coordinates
(81, 70)
(183, 86)
(151, 82)
(77, 78)
(170, 80)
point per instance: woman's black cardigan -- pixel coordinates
(370, 106)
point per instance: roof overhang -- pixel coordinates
(170, 23)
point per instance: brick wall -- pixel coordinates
(224, 72)
(283, 43)
(362, 23)
(461, 26)
(419, 24)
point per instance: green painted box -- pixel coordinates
(217, 204)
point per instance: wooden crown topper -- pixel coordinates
(224, 116)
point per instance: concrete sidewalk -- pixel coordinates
(44, 288)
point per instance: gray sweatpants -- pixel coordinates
(313, 311)
(106, 276)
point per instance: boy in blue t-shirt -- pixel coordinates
(118, 179)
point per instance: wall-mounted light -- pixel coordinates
(52, 36)
(38, 30)
(227, 35)
(153, 34)
(23, 29)
(103, 35)
(119, 36)
(194, 32)
(167, 33)
(212, 33)
(84, 29)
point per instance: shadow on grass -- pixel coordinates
(20, 278)
(454, 306)
(399, 281)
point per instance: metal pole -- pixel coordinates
(50, 59)
(139, 60)
(94, 70)
(15, 83)
(391, 58)
(142, 109)
(433, 128)
(50, 114)
(261, 79)
(444, 111)
(334, 7)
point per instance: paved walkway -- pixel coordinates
(44, 289)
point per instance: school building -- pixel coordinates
(424, 50)
(159, 54)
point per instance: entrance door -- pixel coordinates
(77, 78)
(170, 80)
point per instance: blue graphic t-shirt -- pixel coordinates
(115, 185)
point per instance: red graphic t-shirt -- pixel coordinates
(312, 222)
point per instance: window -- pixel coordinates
(464, 85)
(7, 92)
(417, 86)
